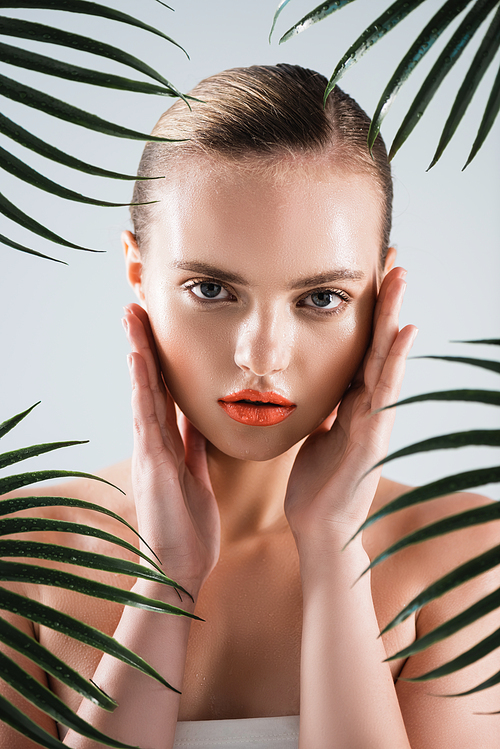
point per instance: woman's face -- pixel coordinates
(265, 282)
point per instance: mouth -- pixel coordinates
(257, 409)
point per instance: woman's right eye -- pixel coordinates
(210, 290)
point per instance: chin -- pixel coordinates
(257, 444)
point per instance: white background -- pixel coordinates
(61, 337)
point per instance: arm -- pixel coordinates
(178, 515)
(347, 692)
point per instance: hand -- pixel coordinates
(177, 512)
(325, 492)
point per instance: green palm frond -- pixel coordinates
(487, 513)
(40, 574)
(51, 664)
(89, 9)
(46, 64)
(47, 701)
(476, 15)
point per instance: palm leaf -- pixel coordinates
(77, 630)
(484, 437)
(18, 481)
(20, 722)
(466, 519)
(9, 526)
(318, 14)
(396, 13)
(465, 572)
(474, 516)
(16, 456)
(277, 13)
(22, 58)
(483, 341)
(54, 107)
(493, 366)
(90, 9)
(422, 44)
(8, 424)
(45, 700)
(486, 646)
(391, 17)
(16, 246)
(491, 397)
(48, 34)
(491, 682)
(90, 560)
(34, 574)
(489, 117)
(31, 649)
(31, 97)
(439, 71)
(28, 140)
(16, 504)
(482, 60)
(440, 488)
(13, 213)
(470, 615)
(22, 171)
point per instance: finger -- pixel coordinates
(391, 378)
(139, 333)
(143, 316)
(148, 437)
(195, 449)
(385, 332)
(137, 327)
(394, 273)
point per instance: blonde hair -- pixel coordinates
(263, 111)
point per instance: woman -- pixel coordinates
(268, 296)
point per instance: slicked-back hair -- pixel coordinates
(263, 111)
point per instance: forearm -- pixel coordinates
(146, 715)
(347, 692)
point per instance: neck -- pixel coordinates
(250, 494)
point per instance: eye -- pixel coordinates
(324, 299)
(209, 290)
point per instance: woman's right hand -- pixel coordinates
(177, 512)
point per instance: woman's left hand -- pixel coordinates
(327, 496)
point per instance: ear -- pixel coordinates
(133, 263)
(390, 260)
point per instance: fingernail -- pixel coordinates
(130, 361)
(405, 272)
(125, 324)
(414, 336)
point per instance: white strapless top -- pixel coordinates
(241, 733)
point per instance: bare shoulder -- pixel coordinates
(445, 552)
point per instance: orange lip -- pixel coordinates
(257, 409)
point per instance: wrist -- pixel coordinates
(321, 559)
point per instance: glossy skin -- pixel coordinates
(251, 520)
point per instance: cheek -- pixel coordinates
(336, 356)
(193, 351)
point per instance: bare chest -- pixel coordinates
(243, 660)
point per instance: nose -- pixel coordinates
(264, 343)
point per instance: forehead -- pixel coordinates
(276, 217)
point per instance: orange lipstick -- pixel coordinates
(257, 409)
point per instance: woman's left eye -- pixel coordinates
(327, 300)
(209, 290)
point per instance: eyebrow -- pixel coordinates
(342, 274)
